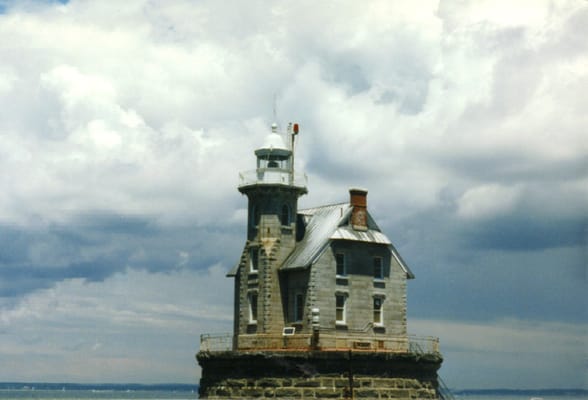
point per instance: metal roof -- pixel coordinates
(233, 271)
(326, 223)
(273, 145)
(371, 236)
(320, 224)
(403, 265)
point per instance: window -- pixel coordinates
(340, 309)
(378, 320)
(253, 260)
(341, 265)
(378, 268)
(285, 215)
(252, 297)
(254, 217)
(299, 307)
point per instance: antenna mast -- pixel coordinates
(292, 131)
(275, 110)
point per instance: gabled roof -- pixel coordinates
(320, 224)
(326, 223)
(323, 224)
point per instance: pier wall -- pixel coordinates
(318, 375)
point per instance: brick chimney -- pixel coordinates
(358, 200)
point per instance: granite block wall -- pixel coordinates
(318, 375)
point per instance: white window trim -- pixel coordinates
(381, 323)
(345, 296)
(253, 250)
(250, 306)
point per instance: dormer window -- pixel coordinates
(378, 268)
(298, 307)
(341, 265)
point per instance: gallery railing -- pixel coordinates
(272, 176)
(327, 342)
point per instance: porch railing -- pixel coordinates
(327, 342)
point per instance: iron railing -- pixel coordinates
(272, 176)
(327, 342)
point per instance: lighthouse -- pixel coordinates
(319, 298)
(272, 190)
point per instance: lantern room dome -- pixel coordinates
(274, 145)
(275, 141)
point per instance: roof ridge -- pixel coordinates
(326, 205)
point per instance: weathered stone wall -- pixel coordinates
(267, 375)
(274, 242)
(360, 288)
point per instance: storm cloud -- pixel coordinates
(123, 126)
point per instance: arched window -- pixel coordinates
(285, 215)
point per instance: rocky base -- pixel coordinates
(318, 375)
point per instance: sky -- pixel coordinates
(124, 125)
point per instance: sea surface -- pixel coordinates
(174, 395)
(66, 391)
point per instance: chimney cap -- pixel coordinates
(358, 190)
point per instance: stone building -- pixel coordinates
(320, 299)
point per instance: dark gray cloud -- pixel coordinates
(520, 233)
(96, 246)
(119, 164)
(464, 273)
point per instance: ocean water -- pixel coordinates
(29, 394)
(191, 395)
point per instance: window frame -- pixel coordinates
(379, 311)
(344, 265)
(254, 216)
(286, 215)
(342, 308)
(380, 276)
(299, 307)
(254, 260)
(253, 305)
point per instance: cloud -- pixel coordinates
(525, 350)
(100, 331)
(123, 128)
(487, 201)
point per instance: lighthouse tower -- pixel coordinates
(272, 189)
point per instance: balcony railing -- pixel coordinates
(272, 176)
(327, 342)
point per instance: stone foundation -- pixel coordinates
(318, 375)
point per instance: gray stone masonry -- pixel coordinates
(360, 288)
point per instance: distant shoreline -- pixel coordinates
(166, 387)
(521, 392)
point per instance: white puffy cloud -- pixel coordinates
(123, 126)
(488, 201)
(110, 330)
